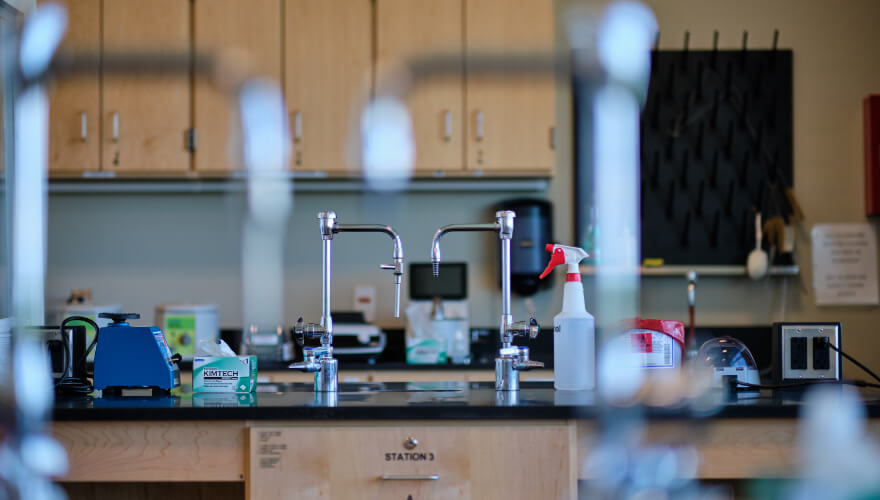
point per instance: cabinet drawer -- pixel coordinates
(485, 461)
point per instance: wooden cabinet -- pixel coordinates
(145, 117)
(327, 79)
(253, 30)
(441, 460)
(327, 53)
(405, 28)
(509, 121)
(74, 102)
(465, 121)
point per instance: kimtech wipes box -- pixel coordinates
(224, 374)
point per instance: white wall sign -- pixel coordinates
(845, 264)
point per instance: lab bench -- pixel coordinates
(426, 439)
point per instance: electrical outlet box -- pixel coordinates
(364, 300)
(801, 352)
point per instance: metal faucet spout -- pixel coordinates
(435, 243)
(396, 255)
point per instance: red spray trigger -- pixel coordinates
(557, 259)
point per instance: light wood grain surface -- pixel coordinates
(472, 461)
(727, 448)
(154, 111)
(70, 97)
(327, 72)
(153, 451)
(253, 30)
(518, 112)
(405, 28)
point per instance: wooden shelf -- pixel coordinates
(298, 184)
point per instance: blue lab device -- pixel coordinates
(133, 356)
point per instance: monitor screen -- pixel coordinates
(451, 284)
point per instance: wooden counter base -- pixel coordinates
(217, 451)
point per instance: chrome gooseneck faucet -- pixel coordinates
(320, 360)
(511, 359)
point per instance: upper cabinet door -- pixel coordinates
(405, 28)
(145, 117)
(510, 120)
(328, 61)
(74, 103)
(253, 29)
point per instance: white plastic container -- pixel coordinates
(574, 329)
(185, 325)
(659, 343)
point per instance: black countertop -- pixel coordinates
(411, 400)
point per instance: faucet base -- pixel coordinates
(506, 374)
(326, 378)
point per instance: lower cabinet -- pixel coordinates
(492, 460)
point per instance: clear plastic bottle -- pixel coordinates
(574, 342)
(574, 329)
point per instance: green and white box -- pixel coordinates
(224, 374)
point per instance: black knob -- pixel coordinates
(119, 317)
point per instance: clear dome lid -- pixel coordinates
(726, 352)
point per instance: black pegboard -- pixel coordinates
(716, 145)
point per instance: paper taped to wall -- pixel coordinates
(845, 264)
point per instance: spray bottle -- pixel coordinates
(574, 329)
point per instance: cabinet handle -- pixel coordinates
(297, 126)
(83, 127)
(447, 126)
(116, 126)
(479, 125)
(410, 477)
(552, 137)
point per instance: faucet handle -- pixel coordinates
(303, 331)
(520, 356)
(522, 328)
(310, 362)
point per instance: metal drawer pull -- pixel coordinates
(448, 126)
(410, 477)
(297, 126)
(116, 126)
(83, 128)
(479, 125)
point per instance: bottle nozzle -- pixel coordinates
(562, 254)
(557, 259)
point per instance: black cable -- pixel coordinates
(853, 360)
(69, 384)
(807, 383)
(67, 356)
(857, 383)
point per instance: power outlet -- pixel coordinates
(364, 300)
(801, 352)
(798, 356)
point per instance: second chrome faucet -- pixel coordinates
(511, 359)
(320, 360)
